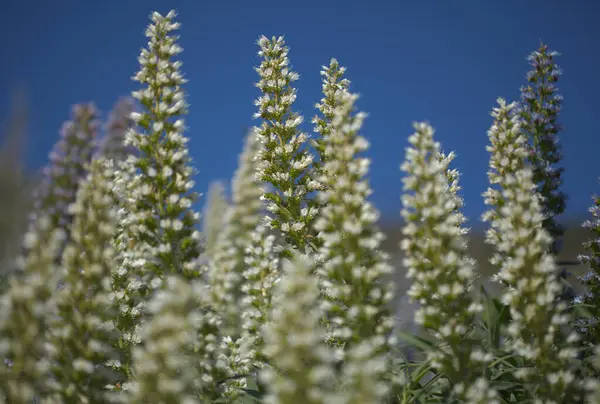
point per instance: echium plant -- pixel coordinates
(333, 84)
(139, 312)
(68, 165)
(112, 147)
(302, 369)
(261, 274)
(228, 296)
(213, 217)
(24, 311)
(540, 105)
(29, 298)
(79, 336)
(165, 367)
(526, 267)
(163, 183)
(353, 268)
(157, 235)
(590, 327)
(241, 219)
(284, 158)
(436, 257)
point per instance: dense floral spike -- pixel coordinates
(68, 166)
(25, 309)
(126, 283)
(236, 357)
(130, 283)
(333, 86)
(526, 267)
(80, 336)
(167, 224)
(153, 188)
(214, 217)
(540, 105)
(261, 274)
(241, 219)
(354, 269)
(119, 123)
(436, 257)
(166, 371)
(295, 341)
(591, 280)
(284, 160)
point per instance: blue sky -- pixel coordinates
(441, 61)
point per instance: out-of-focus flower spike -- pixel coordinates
(295, 342)
(112, 146)
(68, 166)
(352, 267)
(526, 265)
(241, 219)
(214, 212)
(80, 337)
(26, 308)
(441, 277)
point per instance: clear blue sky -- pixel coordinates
(442, 61)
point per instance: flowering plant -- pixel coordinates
(284, 297)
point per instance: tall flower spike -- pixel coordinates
(540, 105)
(25, 308)
(526, 267)
(436, 257)
(241, 220)
(113, 145)
(354, 270)
(153, 188)
(284, 160)
(295, 342)
(130, 282)
(333, 86)
(166, 370)
(164, 191)
(591, 280)
(261, 274)
(214, 217)
(68, 166)
(80, 336)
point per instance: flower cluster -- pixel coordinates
(540, 105)
(163, 174)
(242, 218)
(437, 262)
(80, 335)
(120, 299)
(26, 307)
(591, 280)
(525, 266)
(353, 268)
(113, 145)
(68, 166)
(333, 84)
(213, 217)
(284, 161)
(294, 341)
